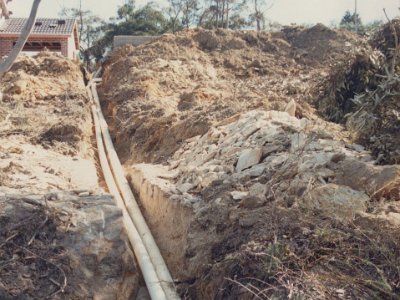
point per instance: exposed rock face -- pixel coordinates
(72, 247)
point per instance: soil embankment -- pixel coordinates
(61, 236)
(244, 199)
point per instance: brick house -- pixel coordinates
(58, 35)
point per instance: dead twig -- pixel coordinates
(244, 286)
(37, 230)
(9, 239)
(63, 285)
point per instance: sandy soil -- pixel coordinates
(61, 237)
(46, 131)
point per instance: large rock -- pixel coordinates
(377, 181)
(73, 246)
(248, 158)
(339, 201)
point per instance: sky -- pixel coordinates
(282, 11)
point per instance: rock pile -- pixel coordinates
(266, 184)
(276, 157)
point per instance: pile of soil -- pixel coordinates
(176, 87)
(44, 98)
(363, 93)
(45, 124)
(57, 240)
(281, 206)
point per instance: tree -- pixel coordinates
(190, 10)
(219, 12)
(237, 22)
(89, 28)
(373, 25)
(352, 22)
(88, 24)
(174, 12)
(4, 10)
(258, 14)
(26, 31)
(126, 11)
(147, 20)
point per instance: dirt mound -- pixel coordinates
(45, 127)
(174, 88)
(362, 92)
(40, 95)
(268, 205)
(319, 44)
(302, 256)
(55, 244)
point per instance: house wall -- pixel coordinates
(72, 52)
(6, 44)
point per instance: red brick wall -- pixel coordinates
(6, 44)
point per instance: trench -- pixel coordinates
(157, 277)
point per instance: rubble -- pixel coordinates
(178, 86)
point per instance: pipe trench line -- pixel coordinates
(155, 272)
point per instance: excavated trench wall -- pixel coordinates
(168, 220)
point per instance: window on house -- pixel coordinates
(41, 45)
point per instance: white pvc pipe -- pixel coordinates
(150, 276)
(133, 208)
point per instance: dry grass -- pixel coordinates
(313, 258)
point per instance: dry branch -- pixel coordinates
(4, 10)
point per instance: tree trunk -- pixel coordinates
(26, 31)
(4, 10)
(257, 15)
(227, 15)
(81, 20)
(222, 12)
(216, 13)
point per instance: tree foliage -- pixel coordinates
(131, 19)
(89, 24)
(352, 22)
(147, 20)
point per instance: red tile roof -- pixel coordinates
(42, 26)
